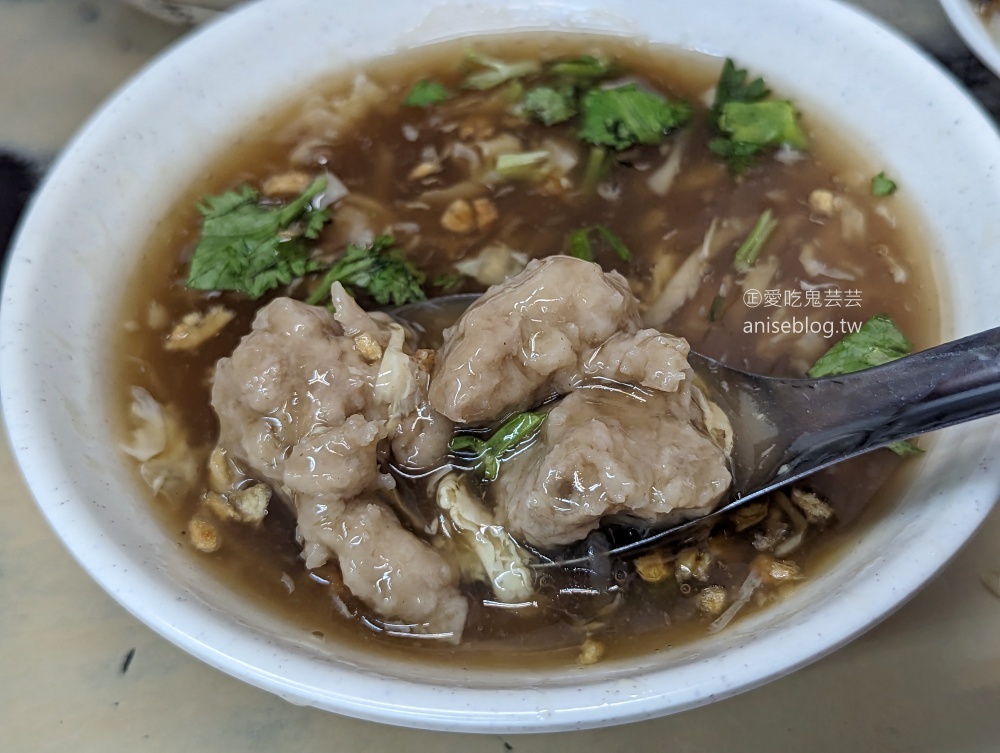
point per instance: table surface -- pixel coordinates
(79, 673)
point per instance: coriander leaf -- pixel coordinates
(380, 269)
(550, 105)
(878, 341)
(715, 310)
(749, 250)
(578, 243)
(883, 186)
(619, 247)
(738, 156)
(584, 69)
(487, 454)
(626, 115)
(733, 87)
(495, 72)
(426, 93)
(768, 123)
(250, 247)
(447, 281)
(746, 122)
(580, 246)
(598, 162)
(904, 448)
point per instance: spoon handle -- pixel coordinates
(950, 384)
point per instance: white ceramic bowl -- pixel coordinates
(102, 200)
(983, 39)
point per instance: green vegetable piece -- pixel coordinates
(598, 162)
(487, 454)
(380, 269)
(878, 341)
(770, 123)
(883, 186)
(904, 448)
(447, 281)
(426, 93)
(715, 310)
(616, 243)
(626, 115)
(250, 247)
(495, 71)
(523, 165)
(583, 69)
(579, 244)
(733, 87)
(738, 156)
(748, 123)
(749, 250)
(550, 105)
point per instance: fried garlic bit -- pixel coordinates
(775, 572)
(486, 213)
(823, 202)
(197, 327)
(242, 506)
(712, 600)
(463, 217)
(591, 652)
(204, 535)
(653, 567)
(749, 515)
(815, 509)
(287, 184)
(368, 347)
(693, 564)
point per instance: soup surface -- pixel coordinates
(464, 162)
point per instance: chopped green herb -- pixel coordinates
(447, 281)
(523, 165)
(580, 245)
(715, 310)
(584, 69)
(251, 247)
(733, 87)
(380, 269)
(550, 105)
(598, 162)
(904, 447)
(748, 123)
(739, 156)
(883, 186)
(626, 115)
(878, 341)
(495, 72)
(620, 249)
(426, 93)
(487, 454)
(768, 123)
(749, 250)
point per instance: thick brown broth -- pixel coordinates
(884, 268)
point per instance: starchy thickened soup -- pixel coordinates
(380, 481)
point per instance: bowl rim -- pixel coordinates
(972, 29)
(618, 696)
